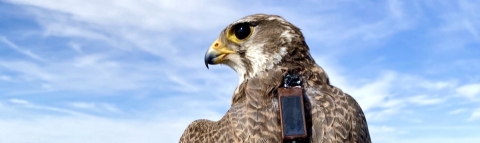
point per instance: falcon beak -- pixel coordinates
(216, 53)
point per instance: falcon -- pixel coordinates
(262, 49)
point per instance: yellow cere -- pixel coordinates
(220, 47)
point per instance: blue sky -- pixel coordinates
(132, 70)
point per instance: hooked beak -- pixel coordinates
(216, 53)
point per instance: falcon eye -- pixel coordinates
(242, 31)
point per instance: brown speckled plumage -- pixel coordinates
(254, 114)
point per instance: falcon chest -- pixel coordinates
(255, 114)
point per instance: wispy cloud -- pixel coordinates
(470, 91)
(475, 115)
(18, 49)
(74, 124)
(424, 100)
(457, 111)
(97, 107)
(89, 129)
(27, 104)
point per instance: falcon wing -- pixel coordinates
(336, 116)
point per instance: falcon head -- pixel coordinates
(257, 43)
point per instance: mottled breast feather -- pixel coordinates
(254, 116)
